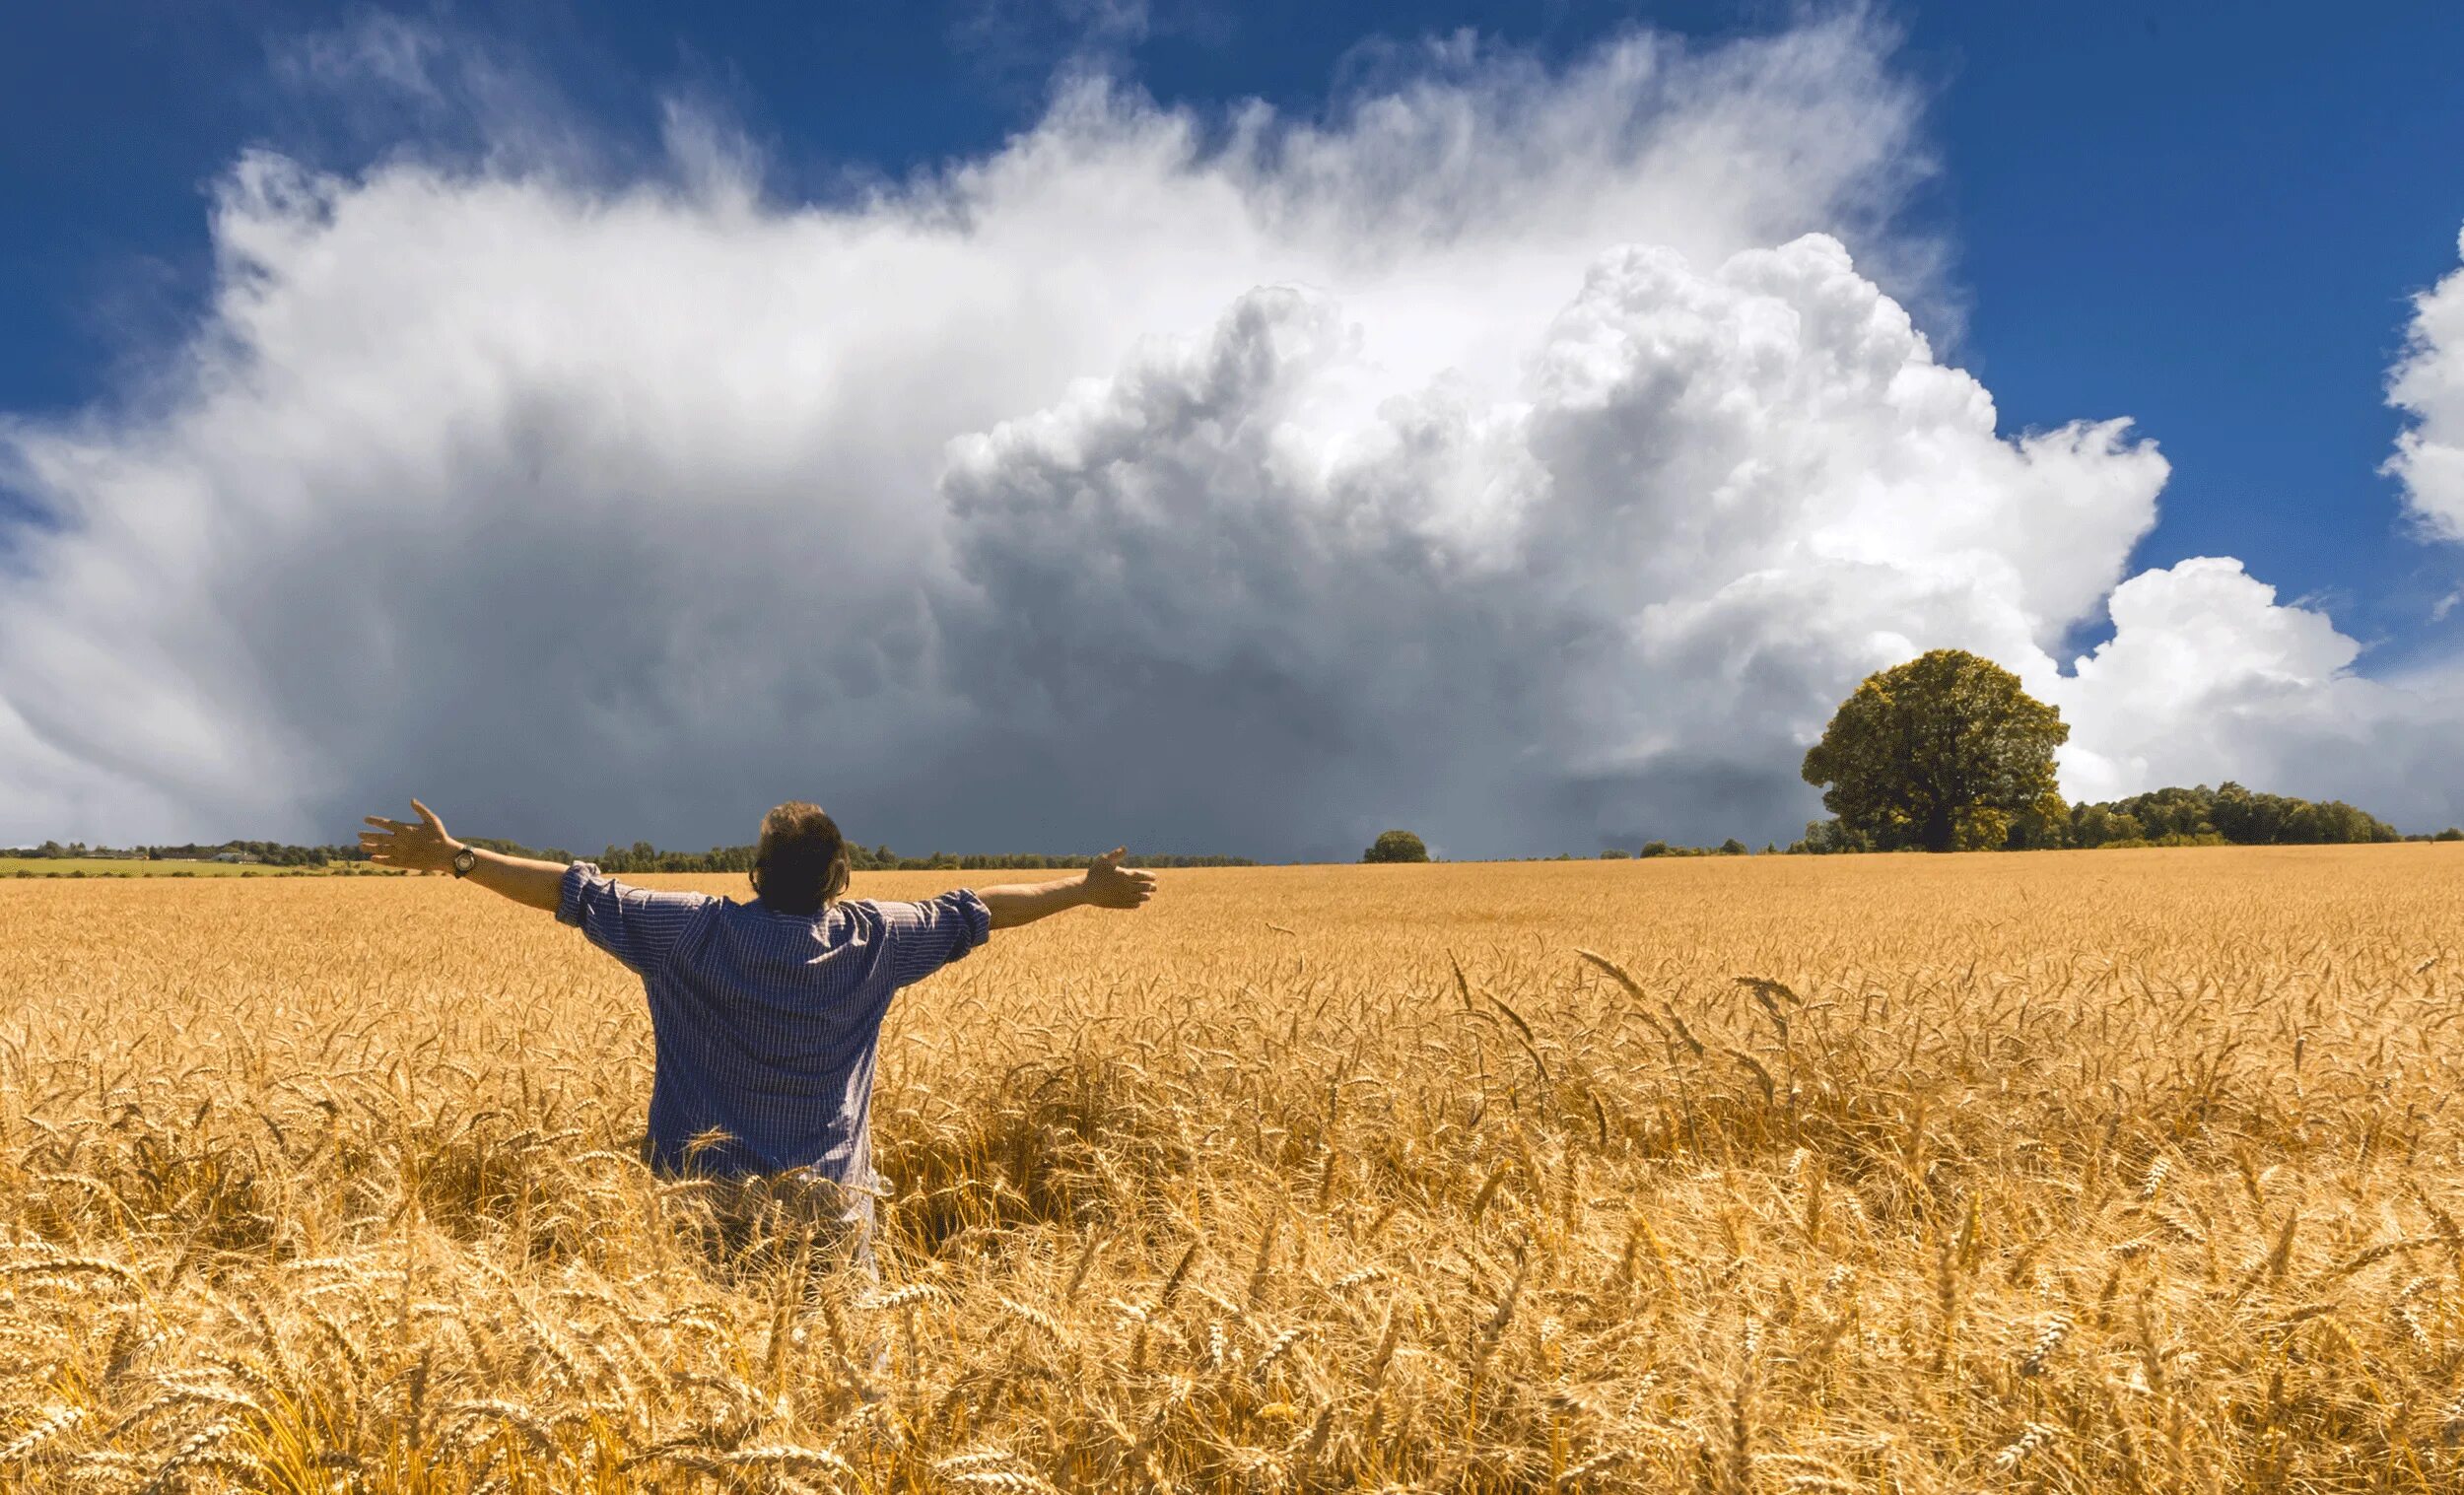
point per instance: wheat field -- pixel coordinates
(2099, 1171)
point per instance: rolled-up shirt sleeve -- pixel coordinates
(927, 935)
(638, 925)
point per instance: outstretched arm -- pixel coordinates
(422, 846)
(1106, 884)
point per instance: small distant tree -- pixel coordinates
(1616, 853)
(1735, 847)
(1946, 752)
(1395, 846)
(1654, 848)
(2449, 834)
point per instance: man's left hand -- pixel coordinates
(415, 846)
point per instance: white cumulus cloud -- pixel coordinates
(2203, 666)
(2208, 676)
(2427, 385)
(1518, 454)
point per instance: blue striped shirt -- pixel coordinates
(765, 1025)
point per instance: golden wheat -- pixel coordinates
(2072, 1172)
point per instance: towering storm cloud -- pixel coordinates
(1517, 453)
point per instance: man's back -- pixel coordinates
(767, 1024)
(767, 1019)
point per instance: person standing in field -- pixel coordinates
(766, 1016)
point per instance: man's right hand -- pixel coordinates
(1109, 885)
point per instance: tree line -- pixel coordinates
(1948, 753)
(272, 853)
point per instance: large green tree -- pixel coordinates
(1946, 752)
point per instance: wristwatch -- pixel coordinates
(463, 861)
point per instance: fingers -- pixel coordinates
(429, 816)
(1135, 886)
(385, 840)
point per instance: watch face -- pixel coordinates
(463, 861)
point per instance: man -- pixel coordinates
(765, 1017)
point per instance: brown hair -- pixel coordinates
(802, 862)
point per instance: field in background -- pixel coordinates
(2099, 1171)
(130, 866)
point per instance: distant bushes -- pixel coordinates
(1831, 838)
(2230, 813)
(642, 856)
(2227, 815)
(1729, 848)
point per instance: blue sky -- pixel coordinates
(2209, 219)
